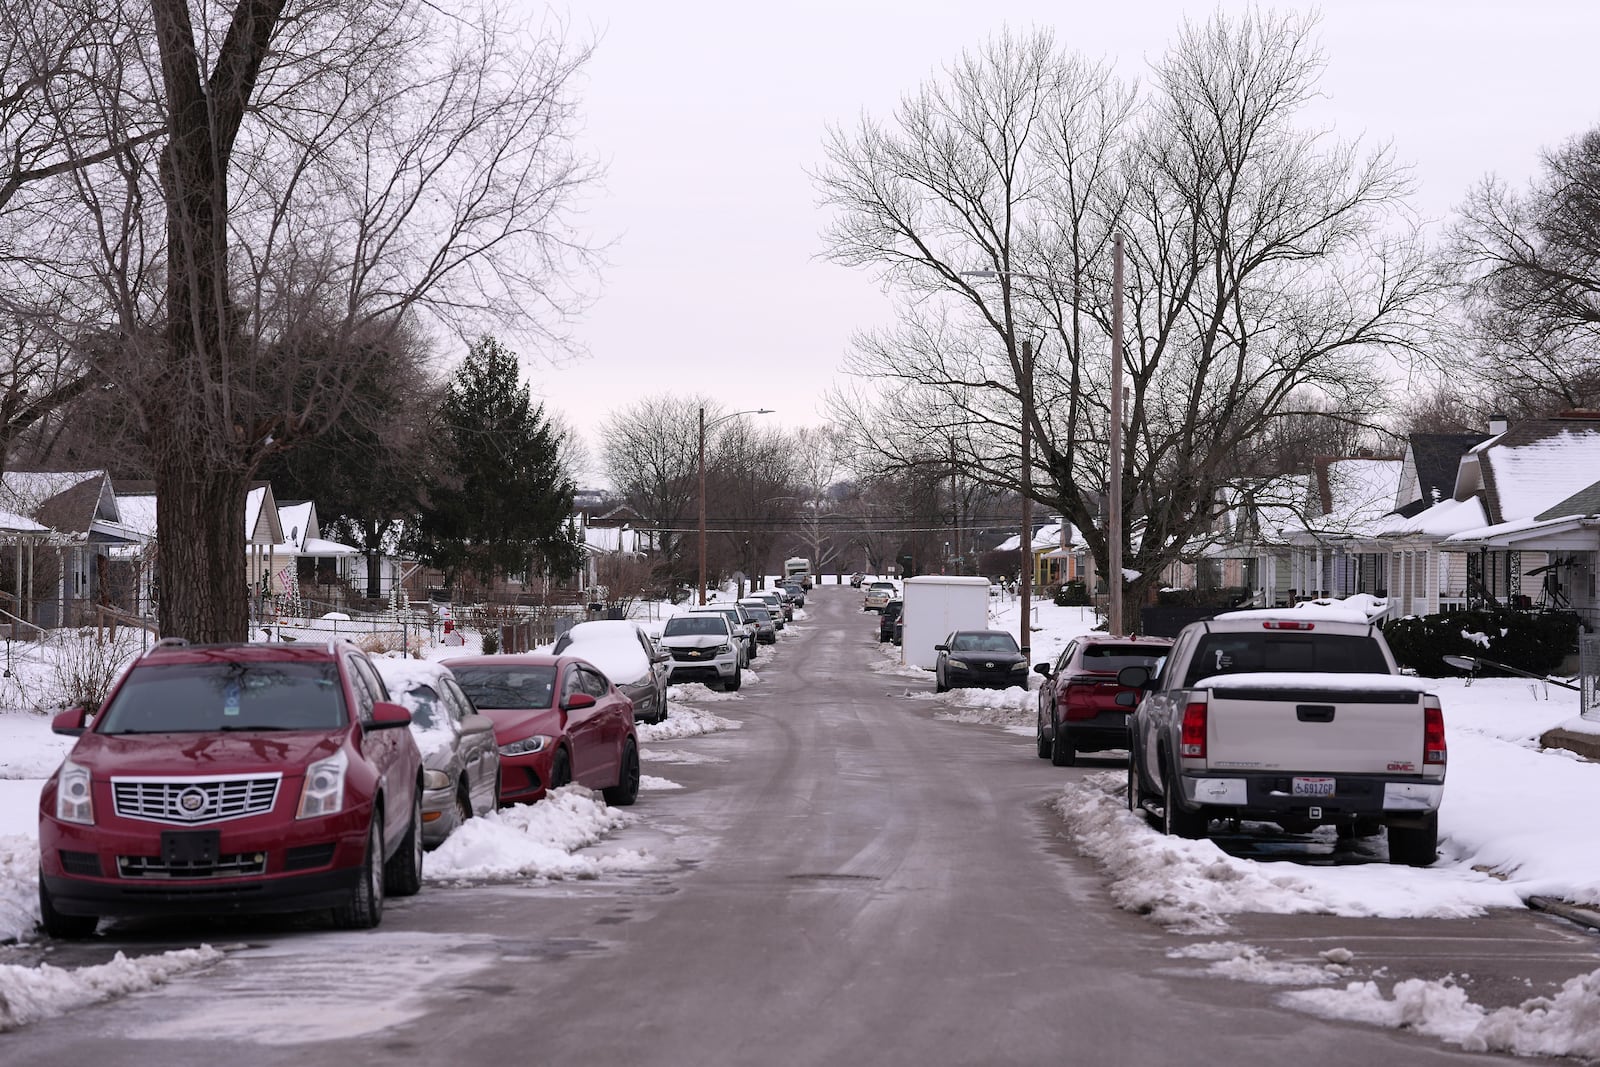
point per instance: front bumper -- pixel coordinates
(1267, 795)
(981, 679)
(117, 868)
(679, 671)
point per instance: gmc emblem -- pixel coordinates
(1402, 765)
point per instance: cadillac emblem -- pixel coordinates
(191, 802)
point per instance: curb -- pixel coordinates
(1584, 744)
(1583, 916)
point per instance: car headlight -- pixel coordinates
(74, 797)
(323, 792)
(1019, 666)
(722, 649)
(958, 664)
(525, 747)
(435, 780)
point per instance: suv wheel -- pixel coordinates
(59, 926)
(364, 909)
(1062, 754)
(731, 683)
(1175, 819)
(402, 875)
(1039, 739)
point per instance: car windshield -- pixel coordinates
(680, 625)
(995, 642)
(208, 697)
(510, 686)
(423, 703)
(1112, 658)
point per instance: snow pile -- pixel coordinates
(1247, 963)
(1191, 885)
(19, 889)
(535, 841)
(999, 707)
(28, 994)
(682, 721)
(650, 781)
(1567, 1024)
(698, 693)
(675, 755)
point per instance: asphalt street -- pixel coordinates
(851, 880)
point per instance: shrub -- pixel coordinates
(491, 642)
(1525, 640)
(85, 666)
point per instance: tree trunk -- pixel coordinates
(200, 527)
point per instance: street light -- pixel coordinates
(1025, 387)
(703, 426)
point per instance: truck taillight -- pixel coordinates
(1433, 747)
(1193, 742)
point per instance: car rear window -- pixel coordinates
(511, 686)
(212, 697)
(1112, 658)
(1279, 652)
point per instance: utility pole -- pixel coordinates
(1114, 496)
(1025, 630)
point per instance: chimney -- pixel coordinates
(1497, 424)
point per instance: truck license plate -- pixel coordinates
(1312, 787)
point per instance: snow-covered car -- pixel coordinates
(460, 763)
(626, 655)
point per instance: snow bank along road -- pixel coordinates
(849, 877)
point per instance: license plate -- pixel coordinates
(1312, 787)
(190, 848)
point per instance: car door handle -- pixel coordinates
(1314, 712)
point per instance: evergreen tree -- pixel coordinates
(501, 500)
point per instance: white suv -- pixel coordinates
(702, 647)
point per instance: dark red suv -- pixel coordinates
(231, 779)
(1078, 710)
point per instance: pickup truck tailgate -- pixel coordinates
(1353, 724)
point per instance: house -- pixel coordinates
(309, 565)
(63, 526)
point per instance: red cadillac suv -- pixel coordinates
(231, 779)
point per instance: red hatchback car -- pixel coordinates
(1078, 710)
(231, 779)
(557, 719)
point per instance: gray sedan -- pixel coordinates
(460, 763)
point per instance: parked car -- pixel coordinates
(887, 619)
(627, 656)
(232, 779)
(978, 658)
(878, 594)
(780, 610)
(856, 579)
(760, 613)
(460, 763)
(557, 720)
(1077, 709)
(702, 647)
(744, 627)
(797, 591)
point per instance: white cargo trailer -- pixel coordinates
(935, 604)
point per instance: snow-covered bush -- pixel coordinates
(85, 664)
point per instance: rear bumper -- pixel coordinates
(1105, 730)
(1270, 794)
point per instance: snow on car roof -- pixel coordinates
(612, 647)
(1343, 683)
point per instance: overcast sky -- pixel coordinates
(707, 117)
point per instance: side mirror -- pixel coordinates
(1133, 678)
(941, 648)
(577, 702)
(477, 724)
(388, 716)
(70, 723)
(1042, 668)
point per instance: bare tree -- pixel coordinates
(1262, 278)
(752, 493)
(650, 453)
(1528, 266)
(334, 177)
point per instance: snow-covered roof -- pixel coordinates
(1045, 537)
(138, 511)
(23, 492)
(1530, 477)
(1359, 494)
(1442, 520)
(11, 522)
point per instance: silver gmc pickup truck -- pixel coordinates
(1289, 717)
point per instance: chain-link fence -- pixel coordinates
(1589, 675)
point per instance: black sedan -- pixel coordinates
(979, 658)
